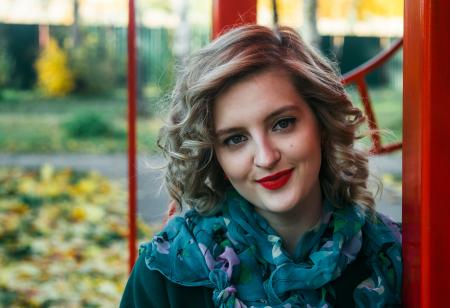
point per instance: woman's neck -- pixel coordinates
(292, 225)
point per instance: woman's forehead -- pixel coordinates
(256, 98)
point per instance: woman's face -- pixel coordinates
(268, 142)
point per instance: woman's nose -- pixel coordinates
(266, 154)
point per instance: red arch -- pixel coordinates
(358, 77)
(426, 148)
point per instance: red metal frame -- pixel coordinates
(132, 174)
(228, 13)
(357, 76)
(426, 152)
(426, 169)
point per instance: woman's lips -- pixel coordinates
(275, 181)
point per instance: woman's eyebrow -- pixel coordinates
(274, 114)
(227, 131)
(284, 109)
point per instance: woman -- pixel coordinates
(260, 147)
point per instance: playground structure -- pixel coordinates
(426, 133)
(358, 77)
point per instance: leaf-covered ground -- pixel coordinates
(63, 239)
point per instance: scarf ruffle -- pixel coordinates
(239, 256)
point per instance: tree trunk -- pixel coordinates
(44, 35)
(143, 104)
(76, 24)
(309, 30)
(182, 33)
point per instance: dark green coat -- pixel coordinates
(147, 288)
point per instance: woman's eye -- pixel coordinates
(283, 124)
(233, 140)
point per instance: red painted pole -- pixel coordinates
(426, 152)
(132, 175)
(227, 13)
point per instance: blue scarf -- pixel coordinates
(239, 256)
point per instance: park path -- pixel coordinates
(152, 200)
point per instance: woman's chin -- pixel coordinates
(279, 203)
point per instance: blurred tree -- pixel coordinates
(300, 14)
(342, 9)
(156, 4)
(54, 75)
(289, 11)
(336, 9)
(368, 8)
(96, 65)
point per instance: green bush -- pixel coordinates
(5, 66)
(87, 125)
(97, 67)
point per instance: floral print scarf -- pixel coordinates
(239, 256)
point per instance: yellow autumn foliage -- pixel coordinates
(63, 248)
(54, 76)
(368, 8)
(290, 10)
(334, 9)
(338, 9)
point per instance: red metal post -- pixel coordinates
(371, 119)
(227, 13)
(132, 174)
(426, 152)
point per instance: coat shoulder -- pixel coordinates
(149, 288)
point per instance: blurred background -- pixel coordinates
(63, 129)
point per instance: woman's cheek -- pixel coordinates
(235, 164)
(303, 147)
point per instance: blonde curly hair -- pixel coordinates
(194, 177)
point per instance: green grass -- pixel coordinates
(33, 124)
(30, 123)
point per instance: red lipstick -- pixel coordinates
(275, 181)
